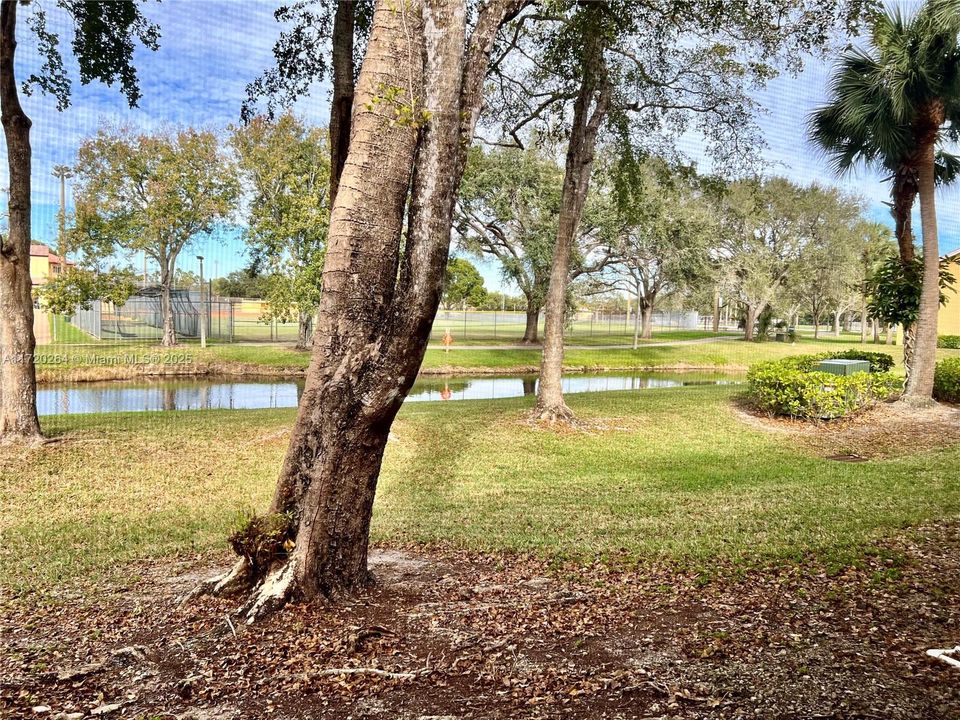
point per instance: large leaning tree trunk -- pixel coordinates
(380, 293)
(18, 380)
(589, 111)
(919, 387)
(341, 106)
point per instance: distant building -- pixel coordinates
(948, 323)
(44, 264)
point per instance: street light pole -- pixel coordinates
(62, 172)
(203, 308)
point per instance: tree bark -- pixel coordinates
(863, 321)
(589, 112)
(919, 387)
(531, 331)
(169, 335)
(647, 332)
(836, 324)
(904, 194)
(636, 318)
(341, 106)
(18, 379)
(304, 325)
(750, 322)
(381, 289)
(816, 326)
(716, 312)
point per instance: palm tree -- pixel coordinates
(891, 106)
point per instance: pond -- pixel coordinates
(250, 394)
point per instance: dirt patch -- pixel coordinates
(884, 430)
(474, 636)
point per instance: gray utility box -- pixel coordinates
(844, 367)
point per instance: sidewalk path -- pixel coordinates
(41, 327)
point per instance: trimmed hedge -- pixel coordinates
(946, 380)
(949, 342)
(879, 362)
(793, 388)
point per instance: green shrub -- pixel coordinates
(949, 342)
(946, 380)
(793, 388)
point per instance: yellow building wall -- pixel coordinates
(39, 269)
(948, 322)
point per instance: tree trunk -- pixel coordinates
(169, 336)
(381, 289)
(636, 319)
(863, 322)
(876, 331)
(530, 333)
(816, 325)
(904, 194)
(647, 333)
(304, 325)
(716, 312)
(341, 105)
(836, 324)
(750, 322)
(18, 379)
(589, 111)
(919, 387)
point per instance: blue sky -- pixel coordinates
(210, 50)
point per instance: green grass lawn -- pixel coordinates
(650, 480)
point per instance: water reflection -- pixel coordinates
(230, 394)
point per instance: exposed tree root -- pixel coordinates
(912, 402)
(265, 597)
(236, 580)
(271, 594)
(554, 415)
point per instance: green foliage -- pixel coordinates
(285, 167)
(246, 283)
(946, 381)
(508, 207)
(154, 193)
(879, 95)
(103, 43)
(949, 342)
(463, 283)
(792, 387)
(895, 286)
(79, 287)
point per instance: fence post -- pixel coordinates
(494, 324)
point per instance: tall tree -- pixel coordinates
(646, 73)
(664, 241)
(462, 285)
(418, 98)
(285, 167)
(104, 39)
(508, 208)
(763, 233)
(154, 194)
(891, 105)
